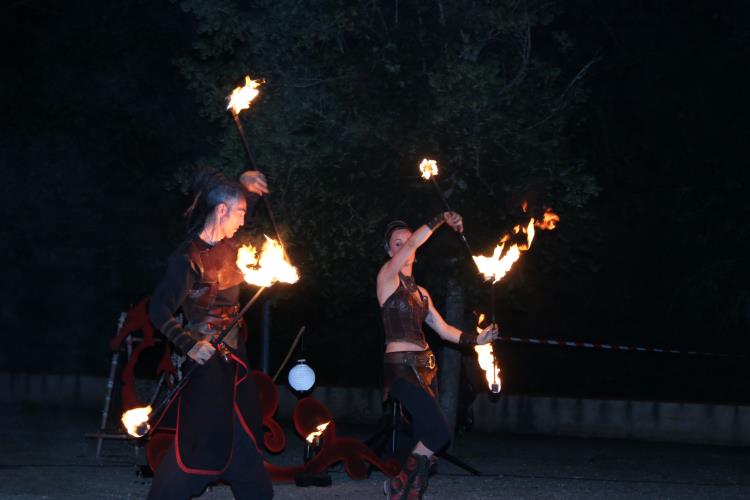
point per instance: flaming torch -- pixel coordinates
(267, 267)
(136, 420)
(486, 358)
(429, 170)
(262, 269)
(313, 441)
(495, 267)
(239, 100)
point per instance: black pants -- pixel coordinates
(428, 421)
(246, 475)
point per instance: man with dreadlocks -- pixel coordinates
(216, 418)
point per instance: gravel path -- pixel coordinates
(43, 455)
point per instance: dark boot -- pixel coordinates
(421, 478)
(401, 486)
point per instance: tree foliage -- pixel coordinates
(356, 93)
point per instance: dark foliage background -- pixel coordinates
(629, 118)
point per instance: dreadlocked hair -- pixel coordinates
(209, 187)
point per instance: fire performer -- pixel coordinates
(216, 417)
(410, 373)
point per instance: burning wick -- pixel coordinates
(486, 359)
(428, 168)
(314, 436)
(136, 421)
(241, 97)
(267, 267)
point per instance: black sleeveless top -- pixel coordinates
(404, 312)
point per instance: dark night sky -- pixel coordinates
(96, 120)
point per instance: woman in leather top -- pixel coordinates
(409, 364)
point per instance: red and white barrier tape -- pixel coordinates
(612, 347)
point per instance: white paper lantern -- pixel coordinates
(301, 377)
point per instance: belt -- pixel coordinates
(214, 323)
(424, 359)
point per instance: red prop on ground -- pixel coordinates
(137, 320)
(308, 415)
(273, 438)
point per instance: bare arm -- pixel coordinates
(389, 271)
(437, 323)
(387, 281)
(450, 332)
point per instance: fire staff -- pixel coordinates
(409, 364)
(216, 418)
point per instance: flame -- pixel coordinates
(268, 267)
(316, 434)
(549, 220)
(242, 96)
(486, 359)
(497, 266)
(428, 168)
(136, 421)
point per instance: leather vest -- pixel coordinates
(404, 312)
(206, 308)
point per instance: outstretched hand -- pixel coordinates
(489, 334)
(455, 221)
(255, 182)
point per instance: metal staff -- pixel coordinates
(495, 387)
(172, 395)
(429, 171)
(239, 100)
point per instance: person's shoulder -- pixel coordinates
(188, 253)
(384, 270)
(188, 246)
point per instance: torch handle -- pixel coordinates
(492, 302)
(254, 166)
(219, 338)
(492, 322)
(440, 193)
(449, 209)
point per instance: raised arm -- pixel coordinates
(453, 334)
(256, 185)
(387, 281)
(407, 249)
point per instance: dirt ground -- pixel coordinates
(44, 455)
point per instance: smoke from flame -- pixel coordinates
(428, 168)
(268, 267)
(241, 97)
(316, 434)
(135, 421)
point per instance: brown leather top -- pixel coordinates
(404, 312)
